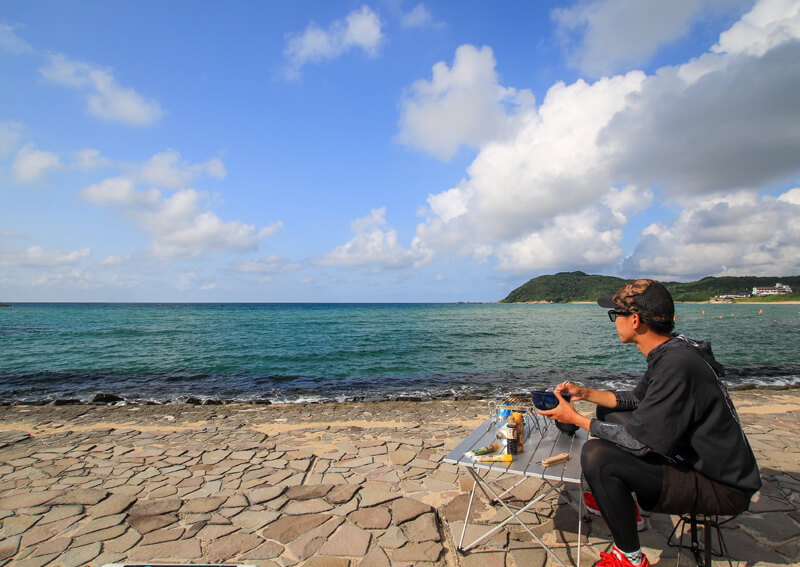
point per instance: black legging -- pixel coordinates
(613, 473)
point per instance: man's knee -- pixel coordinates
(592, 454)
(610, 415)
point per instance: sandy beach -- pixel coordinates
(350, 484)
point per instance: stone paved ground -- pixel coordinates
(318, 485)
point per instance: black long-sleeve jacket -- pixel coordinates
(682, 410)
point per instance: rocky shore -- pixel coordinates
(317, 484)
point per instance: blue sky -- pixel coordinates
(392, 150)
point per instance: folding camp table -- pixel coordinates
(542, 439)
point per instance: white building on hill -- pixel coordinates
(779, 289)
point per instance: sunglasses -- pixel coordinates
(613, 314)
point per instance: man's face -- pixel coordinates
(625, 326)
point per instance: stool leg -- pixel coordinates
(724, 548)
(680, 541)
(703, 556)
(696, 542)
(680, 525)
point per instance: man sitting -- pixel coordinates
(675, 440)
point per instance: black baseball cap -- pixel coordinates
(648, 298)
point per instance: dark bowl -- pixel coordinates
(568, 428)
(546, 400)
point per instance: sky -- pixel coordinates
(391, 150)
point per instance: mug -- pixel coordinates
(504, 411)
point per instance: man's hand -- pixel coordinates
(577, 392)
(600, 397)
(564, 412)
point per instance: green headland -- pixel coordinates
(570, 287)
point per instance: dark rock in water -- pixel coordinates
(193, 401)
(106, 399)
(261, 401)
(67, 402)
(213, 402)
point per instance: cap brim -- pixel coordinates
(606, 301)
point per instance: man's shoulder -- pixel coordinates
(674, 353)
(678, 359)
(672, 347)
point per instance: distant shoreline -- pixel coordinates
(677, 303)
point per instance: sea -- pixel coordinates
(316, 352)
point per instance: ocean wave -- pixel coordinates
(205, 388)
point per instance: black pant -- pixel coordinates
(613, 473)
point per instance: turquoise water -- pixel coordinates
(358, 351)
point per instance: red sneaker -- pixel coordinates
(614, 560)
(591, 506)
(639, 521)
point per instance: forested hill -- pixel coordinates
(564, 287)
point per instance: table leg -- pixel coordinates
(580, 521)
(469, 508)
(524, 478)
(579, 509)
(479, 481)
(527, 529)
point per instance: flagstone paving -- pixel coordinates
(328, 485)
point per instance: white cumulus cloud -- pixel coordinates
(418, 17)
(715, 124)
(374, 244)
(179, 222)
(31, 164)
(619, 34)
(792, 196)
(462, 105)
(552, 165)
(72, 278)
(39, 257)
(449, 204)
(561, 187)
(122, 191)
(589, 238)
(732, 234)
(360, 29)
(105, 98)
(167, 169)
(768, 24)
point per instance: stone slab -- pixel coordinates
(347, 541)
(289, 528)
(405, 509)
(416, 552)
(183, 550)
(374, 518)
(231, 546)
